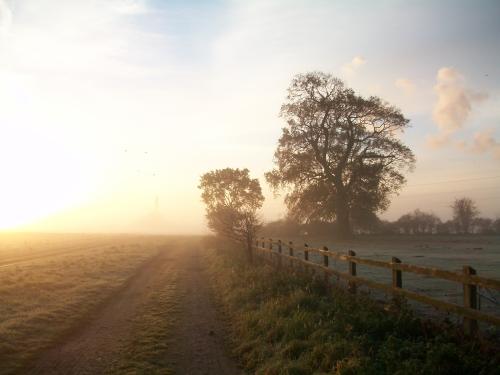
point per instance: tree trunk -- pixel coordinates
(344, 230)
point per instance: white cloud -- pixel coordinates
(5, 17)
(454, 104)
(406, 85)
(351, 67)
(130, 7)
(453, 108)
(70, 38)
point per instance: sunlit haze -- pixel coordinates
(111, 110)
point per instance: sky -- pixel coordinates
(110, 110)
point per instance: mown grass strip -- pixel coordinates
(146, 352)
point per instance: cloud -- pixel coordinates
(406, 85)
(453, 107)
(74, 38)
(5, 18)
(351, 67)
(130, 7)
(438, 140)
(454, 102)
(484, 142)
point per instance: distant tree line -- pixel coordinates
(465, 219)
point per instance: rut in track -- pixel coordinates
(196, 345)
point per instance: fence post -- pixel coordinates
(306, 257)
(290, 252)
(352, 272)
(271, 248)
(470, 301)
(397, 279)
(326, 260)
(262, 254)
(325, 257)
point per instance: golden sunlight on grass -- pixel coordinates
(42, 298)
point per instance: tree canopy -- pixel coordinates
(232, 199)
(339, 154)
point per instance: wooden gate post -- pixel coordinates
(470, 301)
(397, 280)
(352, 272)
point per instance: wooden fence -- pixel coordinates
(470, 312)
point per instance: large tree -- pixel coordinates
(339, 153)
(232, 199)
(464, 213)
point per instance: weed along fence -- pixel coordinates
(284, 254)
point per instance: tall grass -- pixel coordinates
(285, 323)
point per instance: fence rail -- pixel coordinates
(468, 278)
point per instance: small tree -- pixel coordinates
(339, 152)
(464, 213)
(232, 199)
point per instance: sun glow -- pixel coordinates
(40, 177)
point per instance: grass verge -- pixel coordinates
(285, 323)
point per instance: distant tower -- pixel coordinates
(157, 204)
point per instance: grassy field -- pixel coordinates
(54, 286)
(445, 252)
(50, 283)
(284, 323)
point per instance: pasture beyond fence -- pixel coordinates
(282, 253)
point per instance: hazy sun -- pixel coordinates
(39, 177)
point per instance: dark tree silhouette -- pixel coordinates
(483, 225)
(464, 213)
(339, 152)
(232, 199)
(418, 222)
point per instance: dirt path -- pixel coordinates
(197, 340)
(199, 337)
